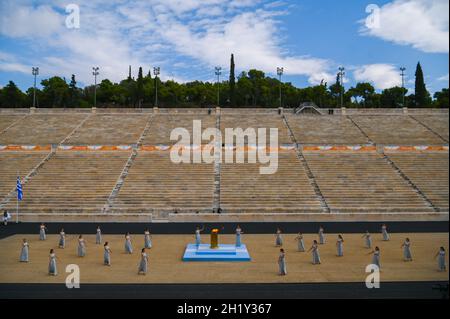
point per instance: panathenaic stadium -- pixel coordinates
(114, 165)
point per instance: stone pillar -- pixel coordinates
(155, 110)
(218, 110)
(405, 110)
(94, 110)
(32, 110)
(343, 110)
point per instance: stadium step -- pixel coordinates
(123, 175)
(217, 168)
(13, 123)
(75, 129)
(429, 128)
(361, 130)
(410, 183)
(309, 173)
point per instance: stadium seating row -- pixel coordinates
(349, 182)
(125, 129)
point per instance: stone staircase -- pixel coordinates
(309, 173)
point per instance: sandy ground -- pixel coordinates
(166, 266)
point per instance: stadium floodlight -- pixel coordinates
(95, 73)
(218, 72)
(156, 72)
(341, 78)
(280, 72)
(35, 72)
(403, 69)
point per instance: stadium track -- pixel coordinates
(389, 290)
(227, 228)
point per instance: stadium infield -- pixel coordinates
(166, 266)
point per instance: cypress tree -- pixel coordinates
(73, 91)
(140, 86)
(232, 83)
(129, 73)
(422, 96)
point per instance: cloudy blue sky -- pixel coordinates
(187, 38)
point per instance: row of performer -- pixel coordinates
(143, 265)
(376, 252)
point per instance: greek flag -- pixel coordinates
(19, 189)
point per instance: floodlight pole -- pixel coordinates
(341, 77)
(280, 72)
(156, 72)
(403, 85)
(95, 73)
(218, 72)
(35, 72)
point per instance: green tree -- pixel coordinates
(441, 99)
(140, 87)
(74, 93)
(12, 96)
(393, 97)
(55, 92)
(232, 82)
(335, 92)
(363, 90)
(421, 94)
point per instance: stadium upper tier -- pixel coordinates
(127, 128)
(111, 162)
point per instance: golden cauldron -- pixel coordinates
(214, 238)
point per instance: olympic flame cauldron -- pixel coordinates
(214, 238)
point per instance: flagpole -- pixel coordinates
(17, 199)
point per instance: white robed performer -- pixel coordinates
(368, 239)
(147, 239)
(198, 240)
(315, 253)
(98, 236)
(321, 236)
(340, 246)
(282, 263)
(52, 264)
(143, 265)
(278, 238)
(24, 252)
(300, 242)
(42, 232)
(384, 232)
(407, 250)
(376, 257)
(106, 254)
(441, 259)
(81, 251)
(62, 239)
(238, 236)
(128, 245)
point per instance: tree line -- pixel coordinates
(248, 89)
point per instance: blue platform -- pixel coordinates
(203, 252)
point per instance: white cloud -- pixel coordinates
(382, 76)
(8, 63)
(444, 78)
(27, 21)
(251, 36)
(115, 34)
(423, 24)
